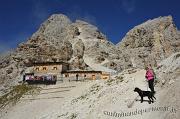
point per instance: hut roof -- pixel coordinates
(82, 71)
(49, 63)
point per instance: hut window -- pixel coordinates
(54, 68)
(66, 75)
(44, 68)
(37, 69)
(93, 77)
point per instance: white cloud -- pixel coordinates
(128, 6)
(78, 13)
(90, 19)
(40, 11)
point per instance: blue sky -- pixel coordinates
(19, 19)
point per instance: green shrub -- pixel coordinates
(116, 80)
(15, 93)
(72, 116)
(93, 90)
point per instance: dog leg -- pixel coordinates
(141, 99)
(152, 100)
(149, 100)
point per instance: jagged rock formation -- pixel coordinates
(59, 39)
(168, 75)
(96, 44)
(168, 70)
(78, 53)
(151, 41)
(49, 42)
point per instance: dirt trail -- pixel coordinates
(131, 100)
(115, 98)
(54, 100)
(50, 99)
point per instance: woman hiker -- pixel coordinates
(150, 78)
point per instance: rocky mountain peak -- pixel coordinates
(82, 45)
(89, 31)
(151, 41)
(49, 43)
(53, 27)
(160, 21)
(58, 39)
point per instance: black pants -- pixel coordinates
(151, 84)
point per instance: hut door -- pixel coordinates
(93, 77)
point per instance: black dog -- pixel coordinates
(142, 94)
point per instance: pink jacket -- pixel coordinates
(149, 74)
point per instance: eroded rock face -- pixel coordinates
(58, 39)
(111, 65)
(96, 44)
(151, 41)
(78, 50)
(49, 42)
(78, 53)
(9, 70)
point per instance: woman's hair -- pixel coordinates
(146, 68)
(150, 65)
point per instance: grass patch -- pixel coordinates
(68, 116)
(93, 90)
(82, 97)
(62, 115)
(72, 116)
(117, 80)
(110, 81)
(15, 93)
